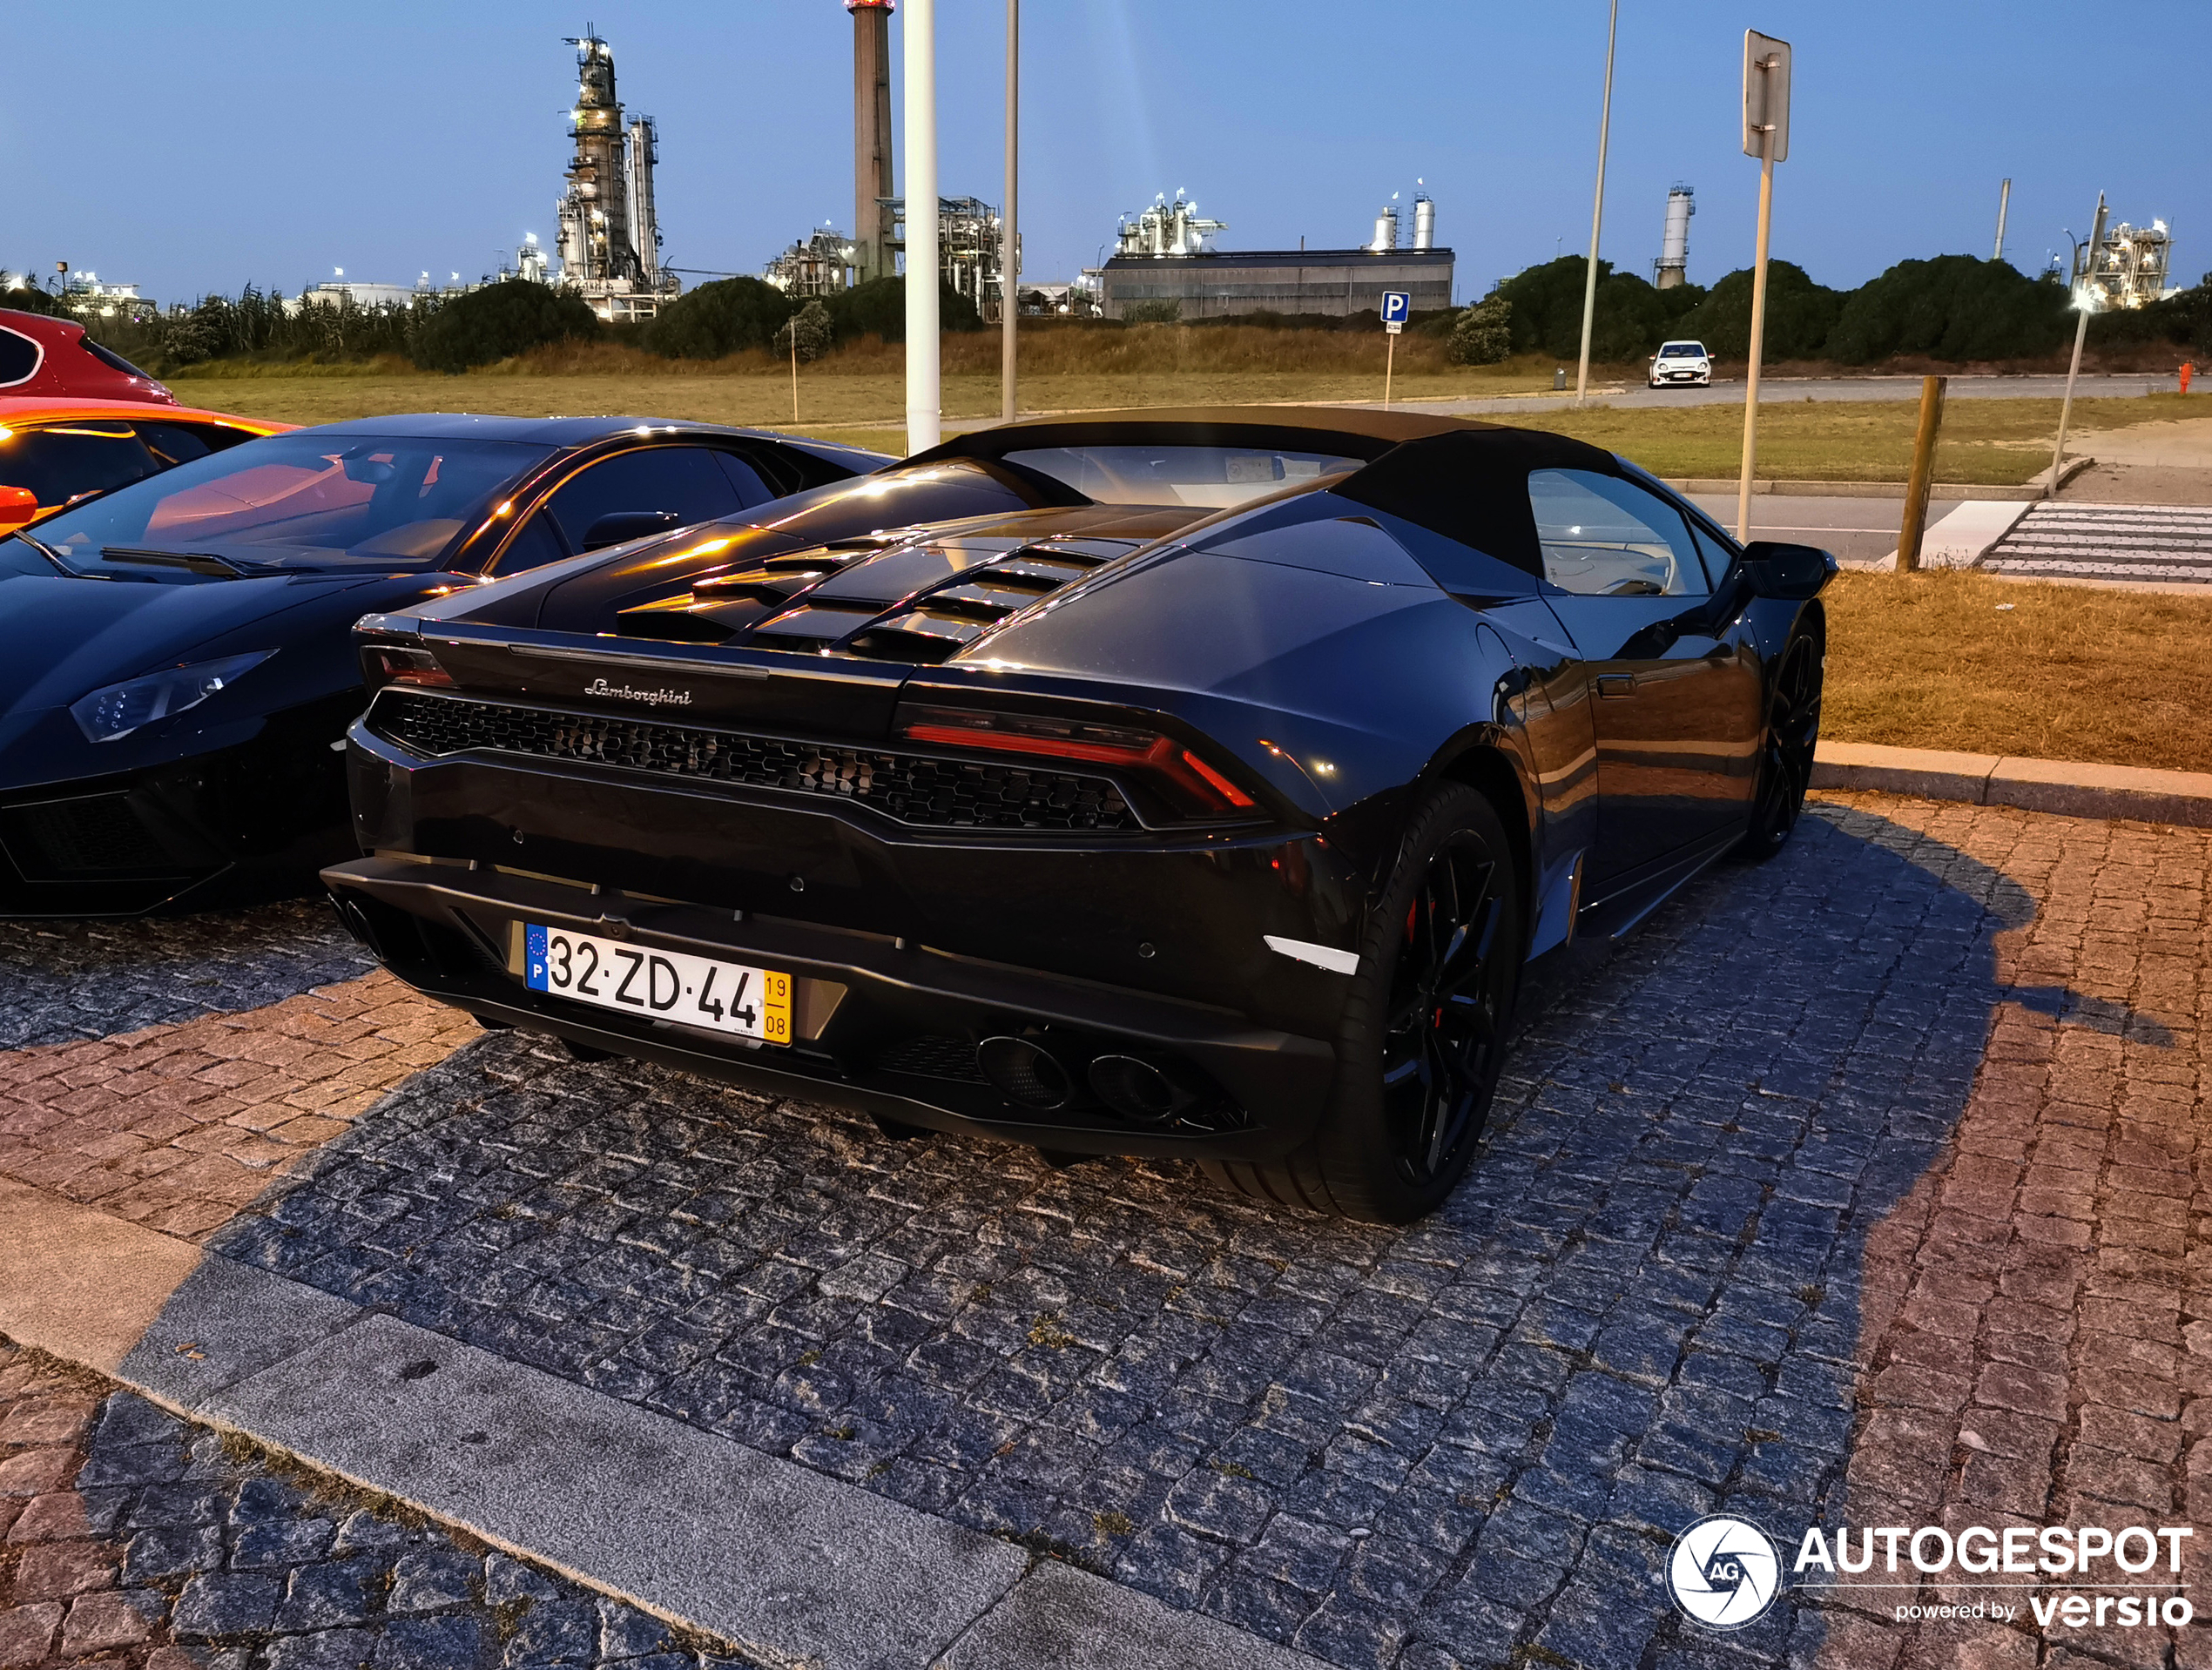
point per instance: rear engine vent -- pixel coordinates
(911, 788)
(69, 840)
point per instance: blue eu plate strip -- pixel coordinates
(534, 957)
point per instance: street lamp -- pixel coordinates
(1597, 209)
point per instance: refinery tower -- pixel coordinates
(609, 242)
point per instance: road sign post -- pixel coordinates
(1396, 308)
(1766, 136)
(2085, 300)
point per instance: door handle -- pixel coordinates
(1616, 684)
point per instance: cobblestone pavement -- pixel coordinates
(131, 1540)
(64, 980)
(1857, 1188)
(178, 1127)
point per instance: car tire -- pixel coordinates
(1791, 732)
(1414, 1075)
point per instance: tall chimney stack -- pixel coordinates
(871, 136)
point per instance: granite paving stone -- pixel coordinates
(153, 1579)
(1789, 1203)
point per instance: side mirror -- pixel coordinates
(1793, 572)
(618, 525)
(18, 506)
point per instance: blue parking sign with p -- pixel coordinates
(1397, 306)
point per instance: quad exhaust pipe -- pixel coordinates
(1138, 1087)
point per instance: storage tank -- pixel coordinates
(1673, 265)
(1385, 230)
(1424, 221)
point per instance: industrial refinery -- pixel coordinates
(609, 237)
(1166, 264)
(1672, 268)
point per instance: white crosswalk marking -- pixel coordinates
(2108, 542)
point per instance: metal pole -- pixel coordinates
(1390, 364)
(923, 402)
(1915, 524)
(1597, 209)
(1758, 342)
(2082, 291)
(1009, 286)
(793, 329)
(2004, 202)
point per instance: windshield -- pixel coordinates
(1683, 351)
(301, 500)
(1213, 476)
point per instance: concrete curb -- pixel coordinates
(2070, 788)
(790, 1564)
(1943, 491)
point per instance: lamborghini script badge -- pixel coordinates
(625, 693)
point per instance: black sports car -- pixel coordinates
(1191, 783)
(177, 669)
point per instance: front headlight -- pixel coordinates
(120, 709)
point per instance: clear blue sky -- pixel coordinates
(196, 148)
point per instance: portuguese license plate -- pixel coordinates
(664, 984)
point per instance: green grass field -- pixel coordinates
(860, 398)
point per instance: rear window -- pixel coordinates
(18, 357)
(113, 361)
(1212, 477)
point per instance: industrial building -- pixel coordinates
(2131, 266)
(1165, 255)
(610, 238)
(1672, 268)
(967, 229)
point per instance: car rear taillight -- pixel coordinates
(400, 664)
(1183, 778)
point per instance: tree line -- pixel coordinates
(1958, 308)
(494, 322)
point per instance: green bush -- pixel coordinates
(812, 330)
(1953, 307)
(25, 297)
(499, 321)
(2183, 318)
(878, 308)
(722, 317)
(1164, 311)
(1799, 315)
(1547, 301)
(1482, 335)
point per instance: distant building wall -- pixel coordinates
(1278, 281)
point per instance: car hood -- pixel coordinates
(61, 637)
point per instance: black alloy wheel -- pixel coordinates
(1422, 1029)
(1442, 1041)
(1786, 759)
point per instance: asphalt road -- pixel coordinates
(1854, 529)
(1818, 388)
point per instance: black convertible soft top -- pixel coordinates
(1460, 477)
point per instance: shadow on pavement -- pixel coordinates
(1470, 1441)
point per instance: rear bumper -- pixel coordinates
(883, 1024)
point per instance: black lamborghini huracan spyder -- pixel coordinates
(176, 665)
(1186, 783)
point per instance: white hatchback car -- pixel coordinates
(1681, 362)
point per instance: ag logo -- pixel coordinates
(1723, 1572)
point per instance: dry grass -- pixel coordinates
(1990, 441)
(2067, 672)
